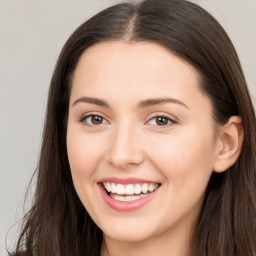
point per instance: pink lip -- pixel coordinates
(126, 181)
(126, 206)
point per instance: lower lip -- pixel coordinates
(125, 206)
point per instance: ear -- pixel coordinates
(231, 138)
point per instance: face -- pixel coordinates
(140, 140)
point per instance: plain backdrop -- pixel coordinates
(32, 34)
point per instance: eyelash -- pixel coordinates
(91, 115)
(170, 120)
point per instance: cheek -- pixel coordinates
(84, 154)
(183, 154)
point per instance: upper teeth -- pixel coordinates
(130, 189)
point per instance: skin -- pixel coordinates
(181, 155)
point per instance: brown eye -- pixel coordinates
(160, 120)
(94, 120)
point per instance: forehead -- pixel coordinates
(133, 61)
(135, 57)
(120, 70)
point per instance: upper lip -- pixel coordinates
(131, 180)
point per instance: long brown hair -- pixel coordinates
(58, 224)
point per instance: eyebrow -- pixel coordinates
(159, 101)
(142, 104)
(91, 100)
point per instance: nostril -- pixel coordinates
(124, 153)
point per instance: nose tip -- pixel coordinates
(125, 151)
(123, 161)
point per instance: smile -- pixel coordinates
(129, 192)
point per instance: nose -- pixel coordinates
(125, 148)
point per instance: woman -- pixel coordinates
(149, 143)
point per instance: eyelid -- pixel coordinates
(93, 113)
(173, 119)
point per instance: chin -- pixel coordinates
(131, 237)
(129, 234)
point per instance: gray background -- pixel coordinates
(31, 36)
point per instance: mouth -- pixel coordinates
(129, 192)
